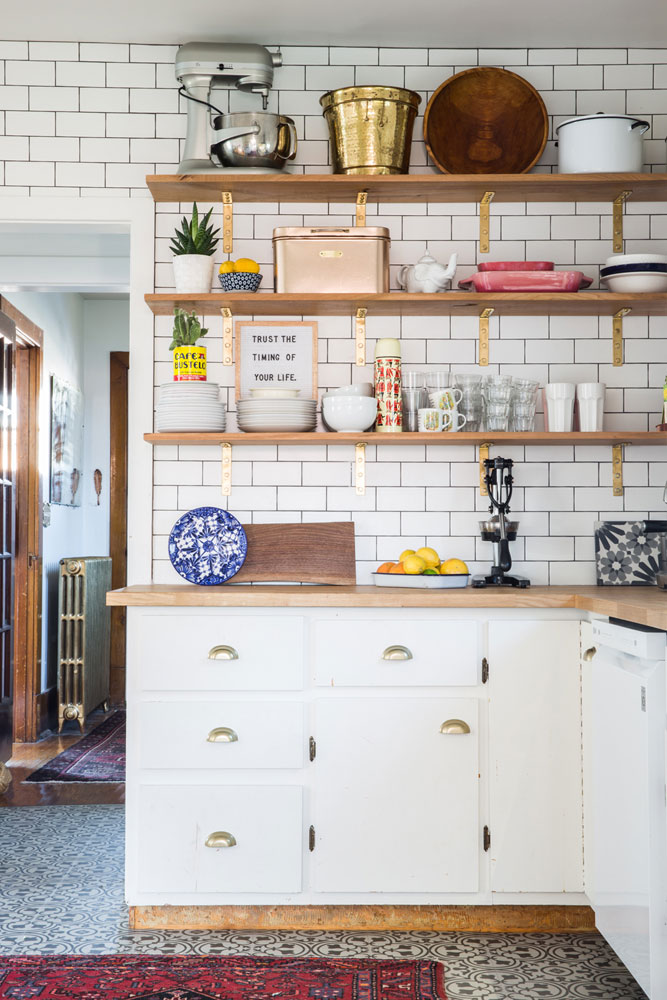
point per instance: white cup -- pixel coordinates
(430, 418)
(590, 403)
(560, 405)
(458, 420)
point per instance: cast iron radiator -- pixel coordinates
(83, 637)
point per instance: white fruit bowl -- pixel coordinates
(359, 389)
(351, 414)
(418, 581)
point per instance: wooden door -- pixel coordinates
(396, 802)
(7, 544)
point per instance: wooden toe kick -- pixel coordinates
(475, 919)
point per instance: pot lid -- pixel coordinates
(598, 116)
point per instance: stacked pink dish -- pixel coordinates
(524, 276)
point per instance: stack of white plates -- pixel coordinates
(190, 406)
(266, 415)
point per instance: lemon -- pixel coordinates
(430, 557)
(248, 265)
(227, 267)
(405, 553)
(413, 565)
(452, 566)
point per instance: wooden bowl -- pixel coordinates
(485, 120)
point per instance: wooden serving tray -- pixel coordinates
(299, 553)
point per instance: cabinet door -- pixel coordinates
(396, 802)
(535, 741)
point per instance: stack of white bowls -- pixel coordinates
(635, 272)
(276, 410)
(190, 406)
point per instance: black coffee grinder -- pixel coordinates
(498, 529)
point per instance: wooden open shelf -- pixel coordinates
(412, 438)
(401, 304)
(280, 187)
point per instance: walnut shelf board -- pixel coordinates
(433, 187)
(595, 303)
(412, 438)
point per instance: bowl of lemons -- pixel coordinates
(240, 275)
(422, 568)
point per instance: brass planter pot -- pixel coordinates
(370, 128)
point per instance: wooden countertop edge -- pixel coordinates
(643, 606)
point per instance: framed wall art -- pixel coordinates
(66, 443)
(276, 355)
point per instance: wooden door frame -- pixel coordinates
(29, 705)
(119, 364)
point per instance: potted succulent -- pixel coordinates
(193, 246)
(189, 361)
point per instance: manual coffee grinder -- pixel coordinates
(498, 529)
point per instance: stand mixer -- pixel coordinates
(498, 529)
(204, 66)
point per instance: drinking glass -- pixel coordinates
(413, 380)
(472, 408)
(523, 416)
(498, 392)
(497, 415)
(413, 401)
(440, 379)
(467, 380)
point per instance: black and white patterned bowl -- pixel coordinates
(240, 281)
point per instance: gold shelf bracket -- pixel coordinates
(362, 200)
(483, 455)
(360, 469)
(227, 222)
(226, 469)
(617, 468)
(360, 337)
(484, 336)
(485, 221)
(227, 336)
(617, 227)
(617, 337)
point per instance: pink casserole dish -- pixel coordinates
(526, 281)
(516, 265)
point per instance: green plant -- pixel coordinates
(195, 236)
(187, 329)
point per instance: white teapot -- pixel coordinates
(427, 275)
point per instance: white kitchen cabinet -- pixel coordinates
(396, 801)
(535, 740)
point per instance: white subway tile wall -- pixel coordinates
(93, 118)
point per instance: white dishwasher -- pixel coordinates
(629, 884)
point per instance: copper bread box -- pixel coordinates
(331, 259)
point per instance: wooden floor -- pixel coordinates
(27, 757)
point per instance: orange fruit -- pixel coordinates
(398, 568)
(386, 567)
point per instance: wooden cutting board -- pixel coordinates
(299, 553)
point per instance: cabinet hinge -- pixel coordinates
(312, 748)
(485, 670)
(487, 838)
(311, 838)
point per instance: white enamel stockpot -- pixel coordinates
(601, 143)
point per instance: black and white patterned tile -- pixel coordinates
(61, 892)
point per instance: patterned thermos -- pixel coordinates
(388, 385)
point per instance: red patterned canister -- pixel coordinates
(388, 385)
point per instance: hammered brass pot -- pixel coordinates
(370, 128)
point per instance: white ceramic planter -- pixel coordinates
(193, 273)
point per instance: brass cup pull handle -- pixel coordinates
(221, 839)
(397, 653)
(223, 653)
(454, 727)
(590, 653)
(222, 734)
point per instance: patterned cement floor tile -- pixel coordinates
(61, 892)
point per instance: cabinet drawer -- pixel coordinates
(178, 653)
(353, 652)
(175, 822)
(249, 734)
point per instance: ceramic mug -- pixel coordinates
(430, 418)
(457, 420)
(445, 399)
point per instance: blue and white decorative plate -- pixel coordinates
(207, 546)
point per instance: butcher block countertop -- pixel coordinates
(641, 605)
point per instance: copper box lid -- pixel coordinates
(331, 232)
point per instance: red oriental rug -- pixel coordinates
(158, 977)
(99, 756)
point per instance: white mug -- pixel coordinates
(560, 405)
(590, 404)
(458, 420)
(430, 418)
(445, 399)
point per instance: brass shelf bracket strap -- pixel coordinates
(227, 336)
(617, 337)
(483, 455)
(227, 222)
(360, 337)
(617, 468)
(484, 336)
(360, 469)
(226, 469)
(484, 221)
(617, 229)
(362, 199)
